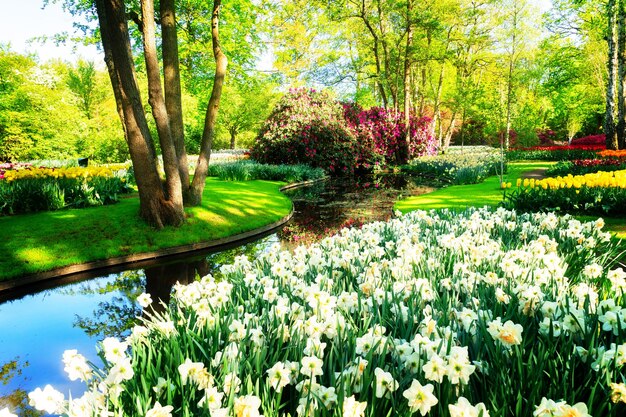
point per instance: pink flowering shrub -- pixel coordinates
(307, 126)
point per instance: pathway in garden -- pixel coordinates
(537, 174)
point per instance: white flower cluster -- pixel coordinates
(383, 316)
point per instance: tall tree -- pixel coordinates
(156, 207)
(82, 82)
(407, 76)
(208, 134)
(612, 38)
(161, 202)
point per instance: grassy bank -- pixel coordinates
(487, 193)
(43, 241)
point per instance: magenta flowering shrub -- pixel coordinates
(307, 126)
(547, 137)
(383, 132)
(590, 140)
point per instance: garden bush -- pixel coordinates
(598, 140)
(382, 132)
(245, 170)
(307, 127)
(466, 165)
(30, 189)
(452, 314)
(547, 137)
(602, 193)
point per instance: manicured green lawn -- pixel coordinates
(487, 193)
(39, 242)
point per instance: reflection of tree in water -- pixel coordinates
(17, 400)
(227, 257)
(116, 316)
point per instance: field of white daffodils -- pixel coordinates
(483, 312)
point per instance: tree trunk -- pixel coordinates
(407, 83)
(612, 66)
(173, 94)
(447, 137)
(621, 74)
(157, 103)
(509, 81)
(233, 138)
(197, 186)
(155, 208)
(387, 72)
(372, 31)
(437, 125)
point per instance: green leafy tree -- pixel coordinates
(83, 84)
(245, 107)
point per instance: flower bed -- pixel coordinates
(608, 153)
(585, 166)
(554, 153)
(450, 313)
(468, 165)
(39, 189)
(10, 166)
(597, 193)
(591, 140)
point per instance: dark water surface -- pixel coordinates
(77, 312)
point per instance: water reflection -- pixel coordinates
(115, 316)
(39, 327)
(16, 400)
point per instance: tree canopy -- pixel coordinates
(485, 71)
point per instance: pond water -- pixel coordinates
(77, 312)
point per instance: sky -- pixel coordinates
(22, 20)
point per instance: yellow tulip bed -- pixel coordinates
(60, 173)
(596, 193)
(29, 189)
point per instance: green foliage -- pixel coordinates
(251, 170)
(549, 154)
(571, 84)
(82, 83)
(245, 105)
(48, 193)
(56, 111)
